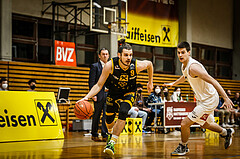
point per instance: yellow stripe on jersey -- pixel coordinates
(109, 114)
(127, 101)
(130, 93)
(112, 66)
(136, 66)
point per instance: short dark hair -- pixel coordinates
(102, 50)
(123, 45)
(139, 85)
(155, 86)
(3, 79)
(184, 44)
(176, 88)
(31, 80)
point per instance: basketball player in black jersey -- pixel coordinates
(120, 75)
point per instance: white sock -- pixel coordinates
(224, 132)
(114, 139)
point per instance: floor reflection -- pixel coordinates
(206, 145)
(32, 149)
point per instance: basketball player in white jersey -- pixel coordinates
(206, 89)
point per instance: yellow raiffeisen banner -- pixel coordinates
(29, 116)
(153, 22)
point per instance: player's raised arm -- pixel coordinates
(146, 65)
(197, 70)
(107, 69)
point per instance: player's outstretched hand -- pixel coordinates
(85, 98)
(149, 87)
(168, 84)
(228, 103)
(94, 98)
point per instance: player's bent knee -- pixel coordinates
(123, 111)
(185, 123)
(122, 115)
(134, 114)
(145, 114)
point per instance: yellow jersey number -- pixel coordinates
(132, 72)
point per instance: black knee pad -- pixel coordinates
(123, 110)
(110, 119)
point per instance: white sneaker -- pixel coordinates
(229, 126)
(224, 125)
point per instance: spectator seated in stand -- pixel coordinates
(165, 95)
(176, 96)
(32, 84)
(223, 114)
(3, 84)
(139, 109)
(229, 93)
(155, 97)
(235, 110)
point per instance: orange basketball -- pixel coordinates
(83, 110)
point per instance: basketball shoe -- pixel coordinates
(228, 137)
(180, 150)
(109, 149)
(109, 138)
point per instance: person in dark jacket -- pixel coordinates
(100, 98)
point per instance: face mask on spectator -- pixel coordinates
(139, 91)
(177, 93)
(33, 87)
(4, 86)
(157, 90)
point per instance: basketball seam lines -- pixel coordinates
(85, 107)
(79, 116)
(82, 112)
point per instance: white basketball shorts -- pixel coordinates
(201, 115)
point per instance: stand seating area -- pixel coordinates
(51, 77)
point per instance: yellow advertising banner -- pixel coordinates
(29, 116)
(153, 23)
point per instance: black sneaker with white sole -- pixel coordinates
(180, 150)
(228, 137)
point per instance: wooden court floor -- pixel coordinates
(76, 146)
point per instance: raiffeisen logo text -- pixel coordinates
(9, 119)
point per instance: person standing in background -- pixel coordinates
(100, 98)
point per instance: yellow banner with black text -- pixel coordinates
(29, 116)
(162, 33)
(153, 23)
